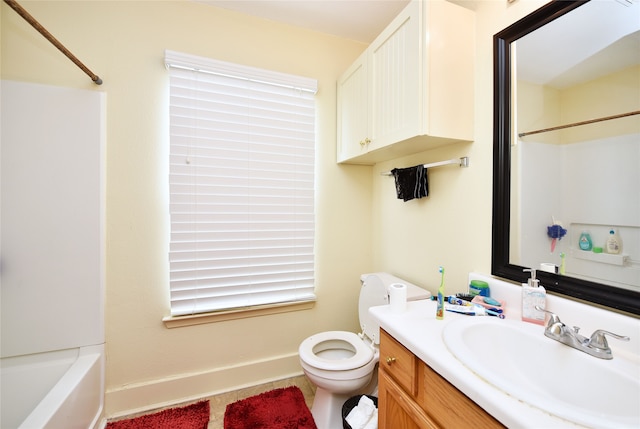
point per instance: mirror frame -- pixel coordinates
(616, 298)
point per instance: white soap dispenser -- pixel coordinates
(533, 295)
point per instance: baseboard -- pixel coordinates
(141, 397)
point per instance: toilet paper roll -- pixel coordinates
(548, 267)
(397, 297)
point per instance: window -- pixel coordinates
(241, 179)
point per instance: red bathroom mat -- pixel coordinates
(194, 416)
(277, 409)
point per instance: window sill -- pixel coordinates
(240, 313)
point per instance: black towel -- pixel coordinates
(411, 182)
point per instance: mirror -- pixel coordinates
(542, 178)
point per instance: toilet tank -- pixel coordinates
(376, 293)
(414, 293)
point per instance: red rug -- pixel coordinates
(277, 409)
(194, 416)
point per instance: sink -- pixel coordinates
(518, 359)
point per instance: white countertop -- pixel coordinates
(419, 331)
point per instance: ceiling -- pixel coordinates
(598, 23)
(360, 20)
(591, 41)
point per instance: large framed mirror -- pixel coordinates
(566, 161)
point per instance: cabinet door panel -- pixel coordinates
(395, 80)
(397, 410)
(448, 405)
(352, 112)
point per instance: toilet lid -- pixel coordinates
(372, 294)
(362, 353)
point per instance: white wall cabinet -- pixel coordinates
(353, 116)
(412, 89)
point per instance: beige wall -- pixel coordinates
(124, 42)
(613, 94)
(361, 225)
(542, 107)
(452, 227)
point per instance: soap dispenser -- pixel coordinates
(533, 295)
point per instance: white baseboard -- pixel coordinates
(141, 397)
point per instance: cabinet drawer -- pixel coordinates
(398, 362)
(447, 405)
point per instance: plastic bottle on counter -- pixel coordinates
(585, 242)
(614, 244)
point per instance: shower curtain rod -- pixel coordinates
(575, 124)
(462, 162)
(35, 24)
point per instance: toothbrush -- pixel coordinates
(455, 300)
(494, 313)
(440, 305)
(475, 310)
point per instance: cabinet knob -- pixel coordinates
(365, 142)
(390, 360)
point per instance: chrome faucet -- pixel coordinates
(596, 345)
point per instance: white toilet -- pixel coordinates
(343, 364)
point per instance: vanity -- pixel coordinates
(413, 395)
(424, 382)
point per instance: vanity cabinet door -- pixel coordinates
(397, 409)
(353, 106)
(447, 405)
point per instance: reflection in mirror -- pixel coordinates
(567, 150)
(584, 68)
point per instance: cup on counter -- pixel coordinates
(549, 267)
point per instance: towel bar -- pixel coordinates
(462, 162)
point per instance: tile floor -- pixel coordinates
(219, 403)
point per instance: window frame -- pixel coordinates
(178, 63)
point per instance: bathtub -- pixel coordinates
(55, 390)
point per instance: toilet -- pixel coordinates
(342, 364)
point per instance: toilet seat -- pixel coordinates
(362, 353)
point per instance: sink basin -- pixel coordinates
(517, 358)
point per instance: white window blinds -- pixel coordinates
(242, 166)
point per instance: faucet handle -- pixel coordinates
(555, 328)
(599, 341)
(553, 317)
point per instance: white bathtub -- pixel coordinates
(54, 390)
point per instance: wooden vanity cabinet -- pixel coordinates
(411, 395)
(398, 385)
